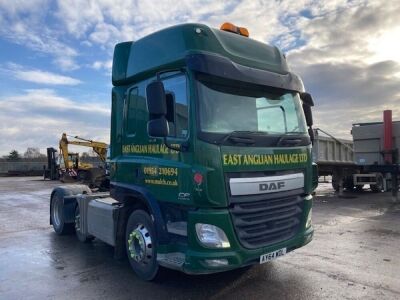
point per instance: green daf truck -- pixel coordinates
(210, 156)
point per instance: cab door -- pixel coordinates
(167, 177)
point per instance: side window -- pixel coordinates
(131, 107)
(177, 106)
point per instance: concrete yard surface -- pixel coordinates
(355, 254)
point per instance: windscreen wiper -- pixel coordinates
(290, 139)
(240, 139)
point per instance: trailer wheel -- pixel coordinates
(141, 245)
(57, 215)
(378, 187)
(335, 184)
(359, 188)
(348, 183)
(81, 236)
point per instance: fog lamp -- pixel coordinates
(217, 262)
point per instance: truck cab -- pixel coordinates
(210, 161)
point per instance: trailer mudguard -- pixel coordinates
(68, 193)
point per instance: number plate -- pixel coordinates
(272, 255)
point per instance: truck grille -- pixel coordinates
(267, 221)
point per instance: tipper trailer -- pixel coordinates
(370, 158)
(210, 161)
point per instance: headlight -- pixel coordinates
(212, 236)
(308, 223)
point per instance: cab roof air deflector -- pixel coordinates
(223, 67)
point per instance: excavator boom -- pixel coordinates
(99, 147)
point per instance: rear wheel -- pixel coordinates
(141, 244)
(57, 215)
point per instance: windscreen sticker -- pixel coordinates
(263, 159)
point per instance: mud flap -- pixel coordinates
(69, 209)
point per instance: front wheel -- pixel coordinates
(141, 245)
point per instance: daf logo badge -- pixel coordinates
(271, 186)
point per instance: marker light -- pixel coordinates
(235, 29)
(309, 219)
(212, 236)
(198, 178)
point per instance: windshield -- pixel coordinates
(227, 108)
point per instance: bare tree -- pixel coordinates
(85, 155)
(32, 152)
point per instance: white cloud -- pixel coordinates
(39, 76)
(49, 115)
(66, 63)
(23, 23)
(105, 34)
(106, 65)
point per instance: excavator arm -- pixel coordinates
(99, 147)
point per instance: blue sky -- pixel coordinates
(55, 58)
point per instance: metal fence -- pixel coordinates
(22, 167)
(34, 167)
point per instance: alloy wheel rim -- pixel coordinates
(56, 212)
(140, 245)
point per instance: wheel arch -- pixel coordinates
(136, 197)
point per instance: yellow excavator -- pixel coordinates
(72, 169)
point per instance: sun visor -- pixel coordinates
(120, 62)
(223, 67)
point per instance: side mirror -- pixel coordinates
(307, 99)
(156, 100)
(157, 126)
(307, 103)
(311, 134)
(308, 115)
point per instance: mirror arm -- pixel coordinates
(182, 147)
(311, 134)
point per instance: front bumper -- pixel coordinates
(196, 260)
(196, 255)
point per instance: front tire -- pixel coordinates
(141, 245)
